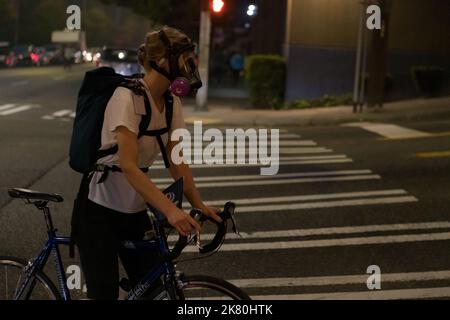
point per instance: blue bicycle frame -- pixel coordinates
(36, 265)
(26, 285)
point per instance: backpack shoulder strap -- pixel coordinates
(169, 109)
(146, 119)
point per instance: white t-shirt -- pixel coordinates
(126, 109)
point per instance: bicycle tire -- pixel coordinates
(211, 283)
(40, 276)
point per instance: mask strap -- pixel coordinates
(162, 71)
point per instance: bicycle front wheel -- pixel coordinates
(11, 276)
(209, 288)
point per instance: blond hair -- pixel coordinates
(153, 49)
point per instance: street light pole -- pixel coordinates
(204, 47)
(17, 23)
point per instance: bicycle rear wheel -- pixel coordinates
(11, 275)
(209, 288)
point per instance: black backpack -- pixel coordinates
(97, 89)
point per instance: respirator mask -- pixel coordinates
(183, 72)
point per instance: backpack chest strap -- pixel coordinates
(157, 134)
(107, 169)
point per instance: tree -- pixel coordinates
(98, 27)
(7, 16)
(157, 11)
(183, 15)
(48, 16)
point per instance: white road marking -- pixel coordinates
(282, 143)
(388, 130)
(281, 175)
(282, 163)
(280, 181)
(304, 158)
(62, 113)
(15, 110)
(343, 242)
(281, 136)
(305, 150)
(20, 83)
(327, 204)
(7, 106)
(420, 293)
(327, 196)
(340, 280)
(328, 231)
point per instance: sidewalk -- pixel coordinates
(234, 115)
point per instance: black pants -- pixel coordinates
(98, 241)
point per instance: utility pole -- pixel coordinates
(204, 47)
(17, 23)
(361, 62)
(378, 57)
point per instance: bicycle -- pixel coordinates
(28, 280)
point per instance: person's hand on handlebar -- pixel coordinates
(211, 212)
(183, 222)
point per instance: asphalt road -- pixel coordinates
(346, 198)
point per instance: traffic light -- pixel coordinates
(218, 5)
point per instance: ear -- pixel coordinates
(162, 62)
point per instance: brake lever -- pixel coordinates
(230, 210)
(198, 216)
(234, 226)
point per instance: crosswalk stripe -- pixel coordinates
(280, 181)
(6, 106)
(282, 150)
(420, 293)
(62, 113)
(19, 83)
(281, 175)
(15, 110)
(303, 158)
(341, 242)
(328, 196)
(390, 131)
(340, 280)
(328, 231)
(287, 136)
(281, 143)
(327, 204)
(282, 163)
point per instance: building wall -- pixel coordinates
(321, 42)
(269, 27)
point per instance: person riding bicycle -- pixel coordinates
(116, 208)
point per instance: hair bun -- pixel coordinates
(142, 55)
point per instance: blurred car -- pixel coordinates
(54, 53)
(96, 54)
(123, 61)
(23, 55)
(42, 57)
(4, 53)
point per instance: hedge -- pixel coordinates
(428, 79)
(265, 80)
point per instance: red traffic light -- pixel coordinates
(218, 5)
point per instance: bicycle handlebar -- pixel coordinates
(225, 215)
